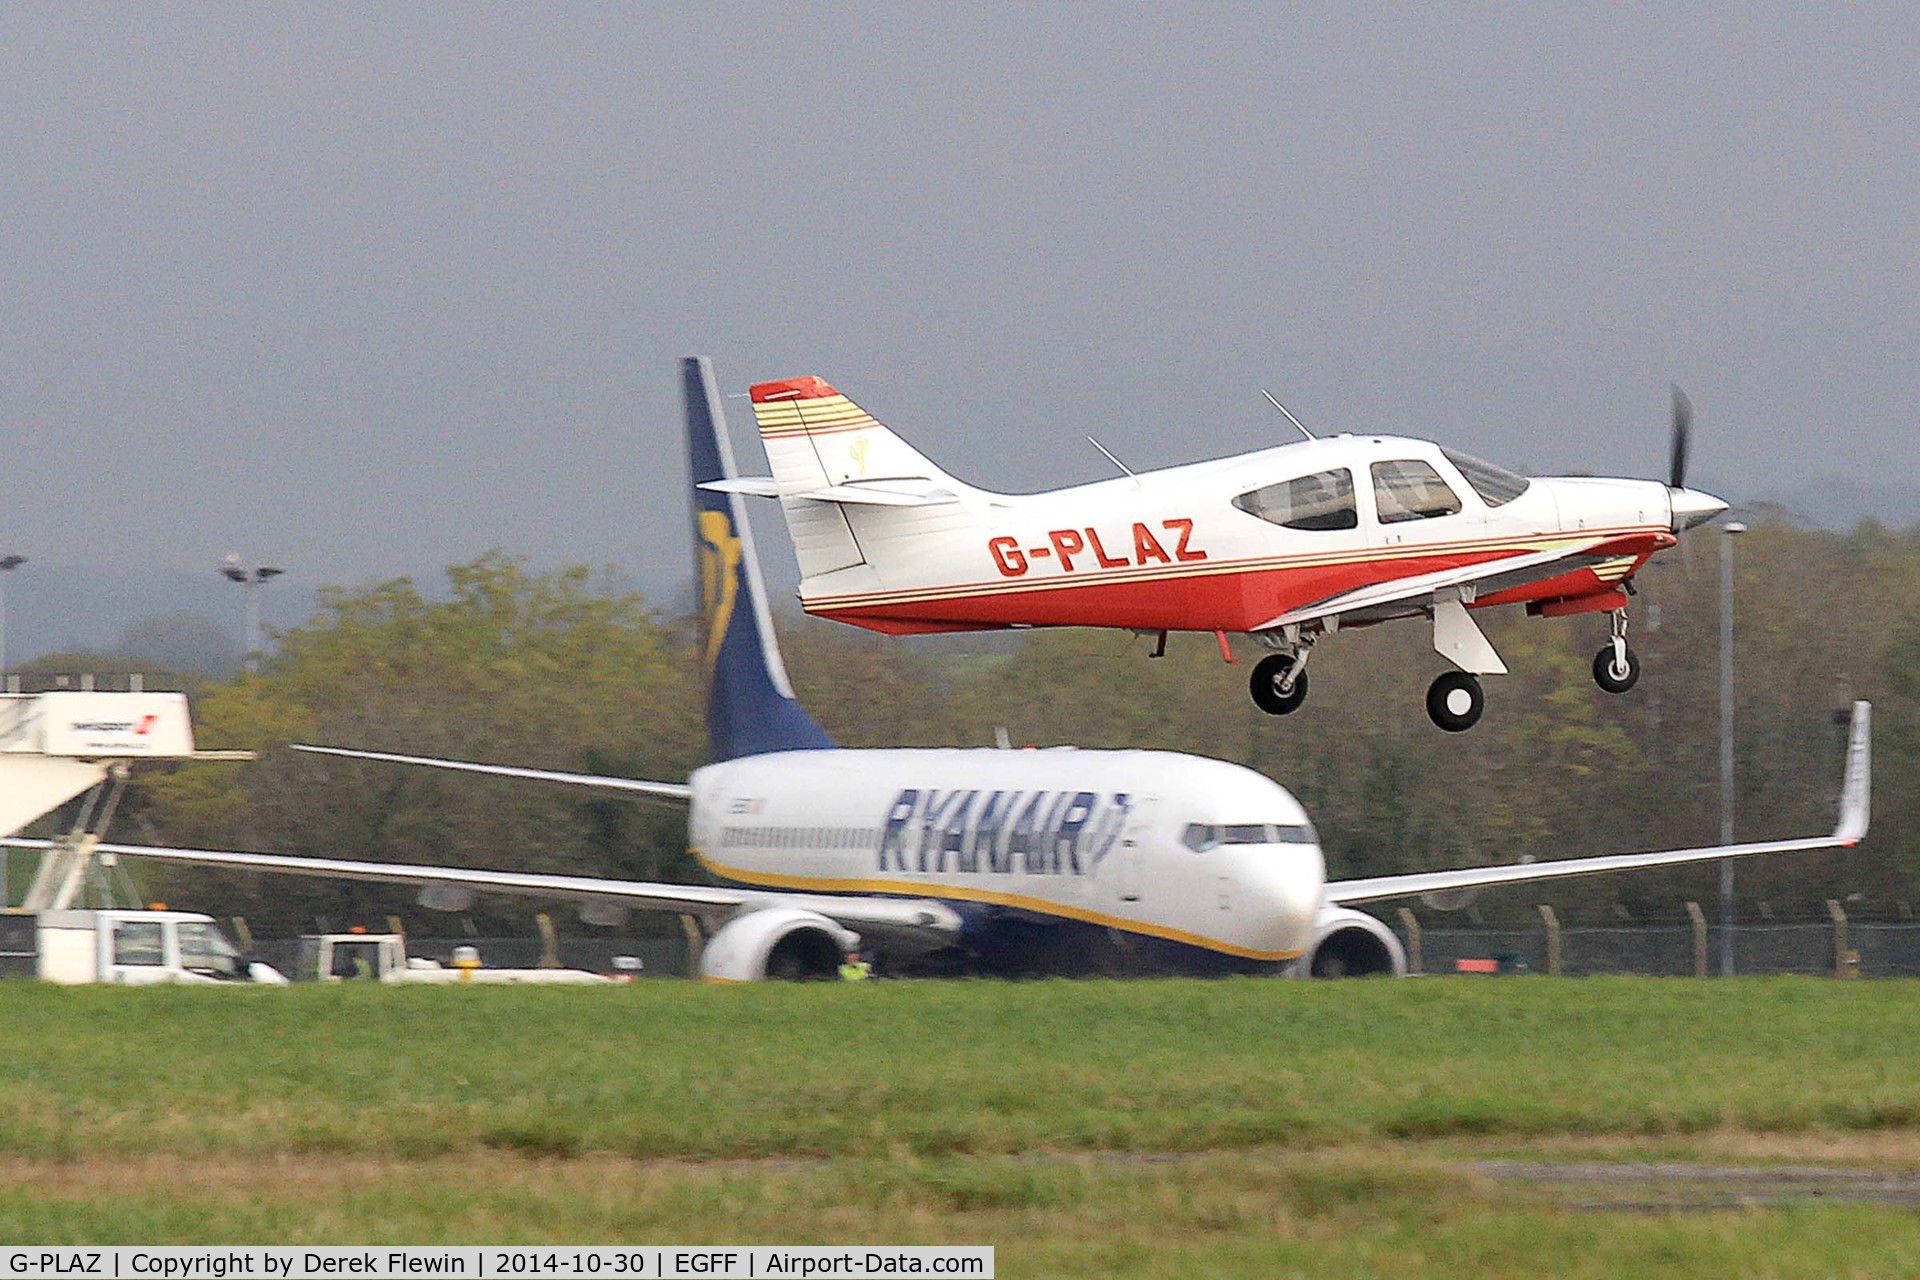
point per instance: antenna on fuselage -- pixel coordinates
(1108, 455)
(1290, 418)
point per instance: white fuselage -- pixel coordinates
(1170, 846)
(1172, 550)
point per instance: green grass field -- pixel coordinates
(1164, 1128)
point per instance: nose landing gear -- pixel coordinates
(1616, 668)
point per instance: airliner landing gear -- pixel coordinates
(1279, 682)
(1455, 701)
(1616, 668)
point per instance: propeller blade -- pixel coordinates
(1682, 436)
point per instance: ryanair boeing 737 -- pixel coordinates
(967, 860)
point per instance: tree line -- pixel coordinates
(564, 670)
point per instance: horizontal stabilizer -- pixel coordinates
(1855, 802)
(752, 486)
(915, 492)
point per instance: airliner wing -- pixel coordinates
(1855, 806)
(1492, 575)
(898, 914)
(664, 790)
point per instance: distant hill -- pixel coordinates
(173, 617)
(62, 608)
(1834, 503)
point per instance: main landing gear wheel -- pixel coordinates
(1265, 685)
(1611, 675)
(1455, 701)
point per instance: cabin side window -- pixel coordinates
(1410, 489)
(1317, 502)
(138, 942)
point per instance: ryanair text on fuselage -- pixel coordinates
(1003, 832)
(970, 830)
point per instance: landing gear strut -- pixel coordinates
(1455, 701)
(1616, 668)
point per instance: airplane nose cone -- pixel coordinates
(1692, 507)
(1284, 896)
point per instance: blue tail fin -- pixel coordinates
(750, 705)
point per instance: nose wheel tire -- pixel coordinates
(1265, 685)
(1611, 676)
(1455, 701)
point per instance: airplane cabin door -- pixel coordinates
(1129, 851)
(1408, 501)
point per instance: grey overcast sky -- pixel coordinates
(368, 290)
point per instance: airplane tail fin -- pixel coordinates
(751, 709)
(827, 453)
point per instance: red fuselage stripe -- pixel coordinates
(1218, 596)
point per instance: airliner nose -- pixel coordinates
(1692, 507)
(1284, 892)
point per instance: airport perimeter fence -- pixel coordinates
(660, 957)
(1874, 950)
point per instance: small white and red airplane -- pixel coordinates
(1286, 545)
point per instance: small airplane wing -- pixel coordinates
(1855, 807)
(1518, 568)
(662, 790)
(897, 914)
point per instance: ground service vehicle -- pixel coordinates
(382, 957)
(134, 948)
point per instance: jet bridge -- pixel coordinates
(55, 746)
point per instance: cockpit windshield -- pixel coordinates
(1496, 486)
(1202, 836)
(204, 950)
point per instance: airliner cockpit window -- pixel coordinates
(1410, 489)
(1496, 486)
(1202, 836)
(1320, 501)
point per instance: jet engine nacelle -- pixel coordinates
(1351, 944)
(782, 943)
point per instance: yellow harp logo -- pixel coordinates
(719, 579)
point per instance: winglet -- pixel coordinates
(1856, 795)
